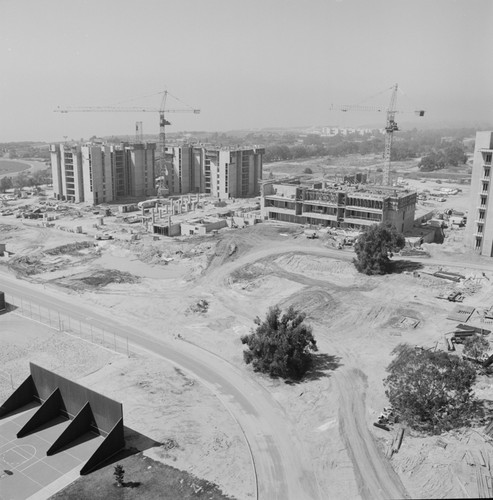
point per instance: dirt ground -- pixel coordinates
(207, 291)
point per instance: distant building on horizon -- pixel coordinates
(479, 227)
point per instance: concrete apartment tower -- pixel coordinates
(219, 172)
(479, 229)
(97, 173)
(66, 168)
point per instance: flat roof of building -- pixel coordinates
(368, 191)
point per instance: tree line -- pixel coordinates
(26, 179)
(436, 149)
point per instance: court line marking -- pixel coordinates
(11, 464)
(42, 459)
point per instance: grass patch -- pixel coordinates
(144, 479)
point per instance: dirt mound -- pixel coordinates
(73, 249)
(6, 228)
(317, 304)
(315, 266)
(60, 257)
(249, 272)
(97, 279)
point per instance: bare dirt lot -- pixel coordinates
(206, 292)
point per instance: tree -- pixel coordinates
(280, 345)
(374, 248)
(119, 474)
(21, 180)
(308, 170)
(6, 183)
(431, 391)
(476, 347)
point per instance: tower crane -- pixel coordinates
(163, 122)
(390, 127)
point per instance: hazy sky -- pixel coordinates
(244, 63)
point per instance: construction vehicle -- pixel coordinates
(455, 296)
(390, 127)
(104, 236)
(311, 235)
(162, 164)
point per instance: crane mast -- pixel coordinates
(390, 128)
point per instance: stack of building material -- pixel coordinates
(475, 329)
(461, 313)
(449, 276)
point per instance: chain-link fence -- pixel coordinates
(84, 329)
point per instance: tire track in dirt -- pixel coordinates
(374, 474)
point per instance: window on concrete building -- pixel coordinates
(480, 228)
(478, 244)
(487, 158)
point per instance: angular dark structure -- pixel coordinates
(87, 410)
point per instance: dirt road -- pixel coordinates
(282, 463)
(375, 476)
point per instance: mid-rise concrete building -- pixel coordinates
(479, 227)
(345, 207)
(96, 173)
(219, 172)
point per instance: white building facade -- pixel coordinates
(479, 228)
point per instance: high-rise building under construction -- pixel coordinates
(96, 173)
(219, 172)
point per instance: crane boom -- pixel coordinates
(77, 109)
(163, 171)
(390, 126)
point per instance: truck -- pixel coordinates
(455, 220)
(103, 236)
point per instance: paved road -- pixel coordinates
(280, 467)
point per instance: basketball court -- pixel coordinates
(25, 468)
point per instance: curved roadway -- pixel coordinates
(279, 459)
(279, 466)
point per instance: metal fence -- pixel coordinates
(63, 322)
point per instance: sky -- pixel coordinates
(246, 64)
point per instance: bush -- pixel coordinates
(280, 345)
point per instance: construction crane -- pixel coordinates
(162, 167)
(390, 127)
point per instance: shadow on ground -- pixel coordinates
(322, 366)
(401, 266)
(135, 442)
